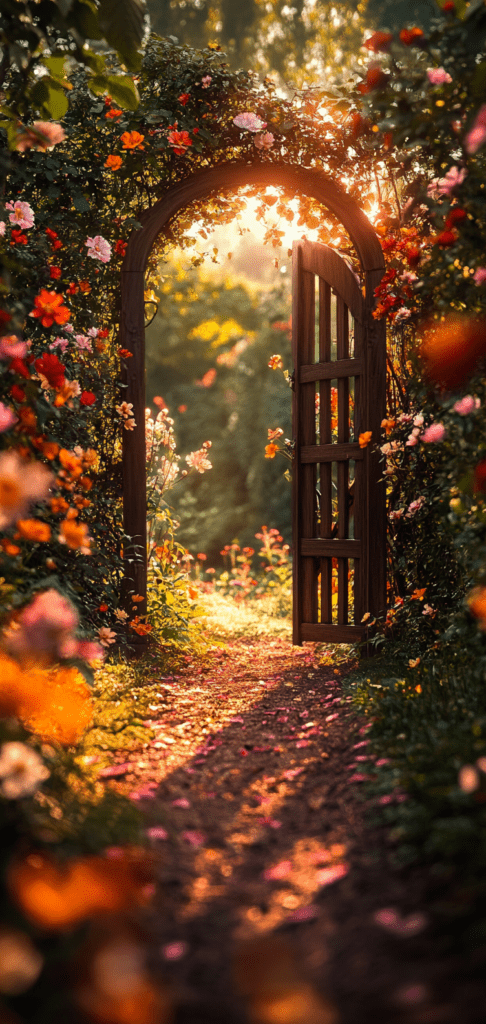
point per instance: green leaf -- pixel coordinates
(478, 82)
(122, 23)
(81, 204)
(94, 61)
(83, 17)
(55, 65)
(120, 87)
(50, 98)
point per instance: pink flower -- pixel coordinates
(415, 506)
(12, 347)
(89, 651)
(61, 343)
(411, 441)
(83, 342)
(22, 214)
(99, 248)
(466, 405)
(7, 417)
(206, 81)
(326, 876)
(174, 950)
(194, 838)
(438, 76)
(477, 135)
(198, 461)
(444, 186)
(468, 778)
(434, 433)
(181, 802)
(264, 141)
(249, 122)
(46, 624)
(480, 275)
(278, 871)
(21, 484)
(2, 228)
(42, 135)
(106, 636)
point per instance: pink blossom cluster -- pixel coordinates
(199, 460)
(99, 248)
(22, 215)
(438, 76)
(21, 484)
(477, 135)
(47, 626)
(467, 405)
(125, 412)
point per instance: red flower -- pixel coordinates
(103, 334)
(121, 247)
(184, 98)
(449, 6)
(4, 317)
(455, 216)
(55, 241)
(55, 273)
(110, 114)
(124, 353)
(445, 238)
(18, 366)
(52, 369)
(17, 393)
(18, 238)
(480, 476)
(413, 256)
(375, 79)
(379, 42)
(87, 398)
(72, 289)
(180, 141)
(49, 308)
(409, 36)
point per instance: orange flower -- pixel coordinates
(53, 703)
(58, 896)
(379, 42)
(85, 287)
(418, 595)
(113, 162)
(142, 628)
(75, 535)
(8, 547)
(70, 462)
(33, 529)
(193, 593)
(275, 362)
(180, 141)
(49, 308)
(132, 140)
(477, 605)
(50, 449)
(58, 505)
(271, 451)
(408, 36)
(364, 439)
(387, 425)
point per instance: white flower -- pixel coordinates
(99, 248)
(21, 770)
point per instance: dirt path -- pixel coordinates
(275, 902)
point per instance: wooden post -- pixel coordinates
(132, 337)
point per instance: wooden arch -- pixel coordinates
(225, 177)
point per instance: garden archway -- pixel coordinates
(225, 177)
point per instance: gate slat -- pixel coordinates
(308, 435)
(338, 368)
(325, 437)
(343, 469)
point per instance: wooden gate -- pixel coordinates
(339, 527)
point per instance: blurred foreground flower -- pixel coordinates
(58, 896)
(451, 349)
(42, 135)
(20, 962)
(268, 977)
(21, 484)
(53, 703)
(477, 605)
(45, 626)
(21, 770)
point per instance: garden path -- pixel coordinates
(270, 880)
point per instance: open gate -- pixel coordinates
(338, 502)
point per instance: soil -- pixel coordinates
(277, 902)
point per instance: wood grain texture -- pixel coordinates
(319, 547)
(331, 452)
(320, 632)
(325, 438)
(132, 337)
(332, 371)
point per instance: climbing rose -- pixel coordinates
(438, 76)
(379, 42)
(22, 214)
(51, 368)
(206, 81)
(434, 433)
(180, 141)
(49, 308)
(132, 140)
(184, 97)
(42, 135)
(113, 162)
(99, 248)
(466, 405)
(477, 135)
(87, 398)
(264, 141)
(408, 36)
(250, 122)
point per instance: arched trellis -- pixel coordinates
(204, 183)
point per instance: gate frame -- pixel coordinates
(227, 177)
